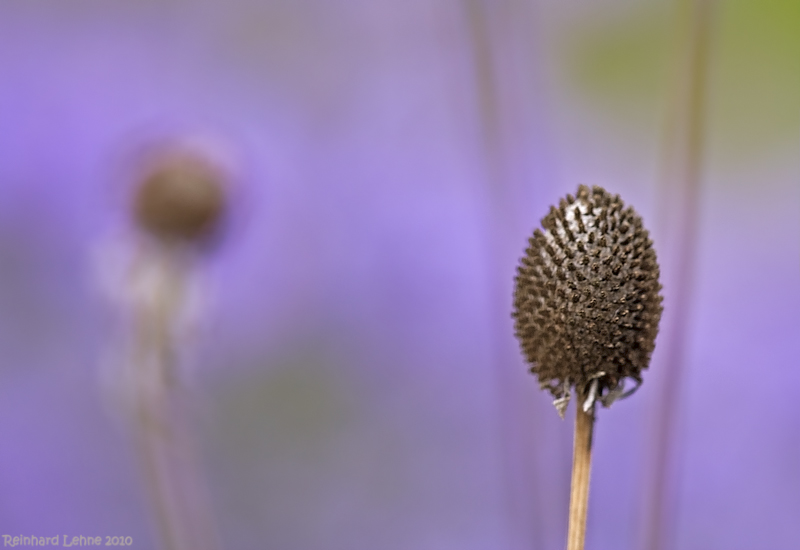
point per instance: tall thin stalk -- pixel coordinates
(162, 434)
(488, 29)
(681, 177)
(581, 470)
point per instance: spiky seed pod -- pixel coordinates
(181, 198)
(586, 297)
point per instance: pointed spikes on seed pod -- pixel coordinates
(592, 317)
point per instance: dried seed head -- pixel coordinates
(586, 298)
(181, 198)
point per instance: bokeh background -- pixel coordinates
(356, 381)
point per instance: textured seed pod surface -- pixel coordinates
(586, 296)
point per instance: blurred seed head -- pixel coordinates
(182, 197)
(586, 297)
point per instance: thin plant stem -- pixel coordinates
(682, 166)
(481, 19)
(581, 470)
(157, 482)
(162, 435)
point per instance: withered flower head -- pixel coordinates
(586, 299)
(181, 198)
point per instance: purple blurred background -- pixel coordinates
(357, 383)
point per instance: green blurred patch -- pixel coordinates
(292, 409)
(621, 60)
(754, 96)
(274, 444)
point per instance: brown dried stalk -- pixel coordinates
(581, 469)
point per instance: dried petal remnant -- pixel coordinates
(586, 297)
